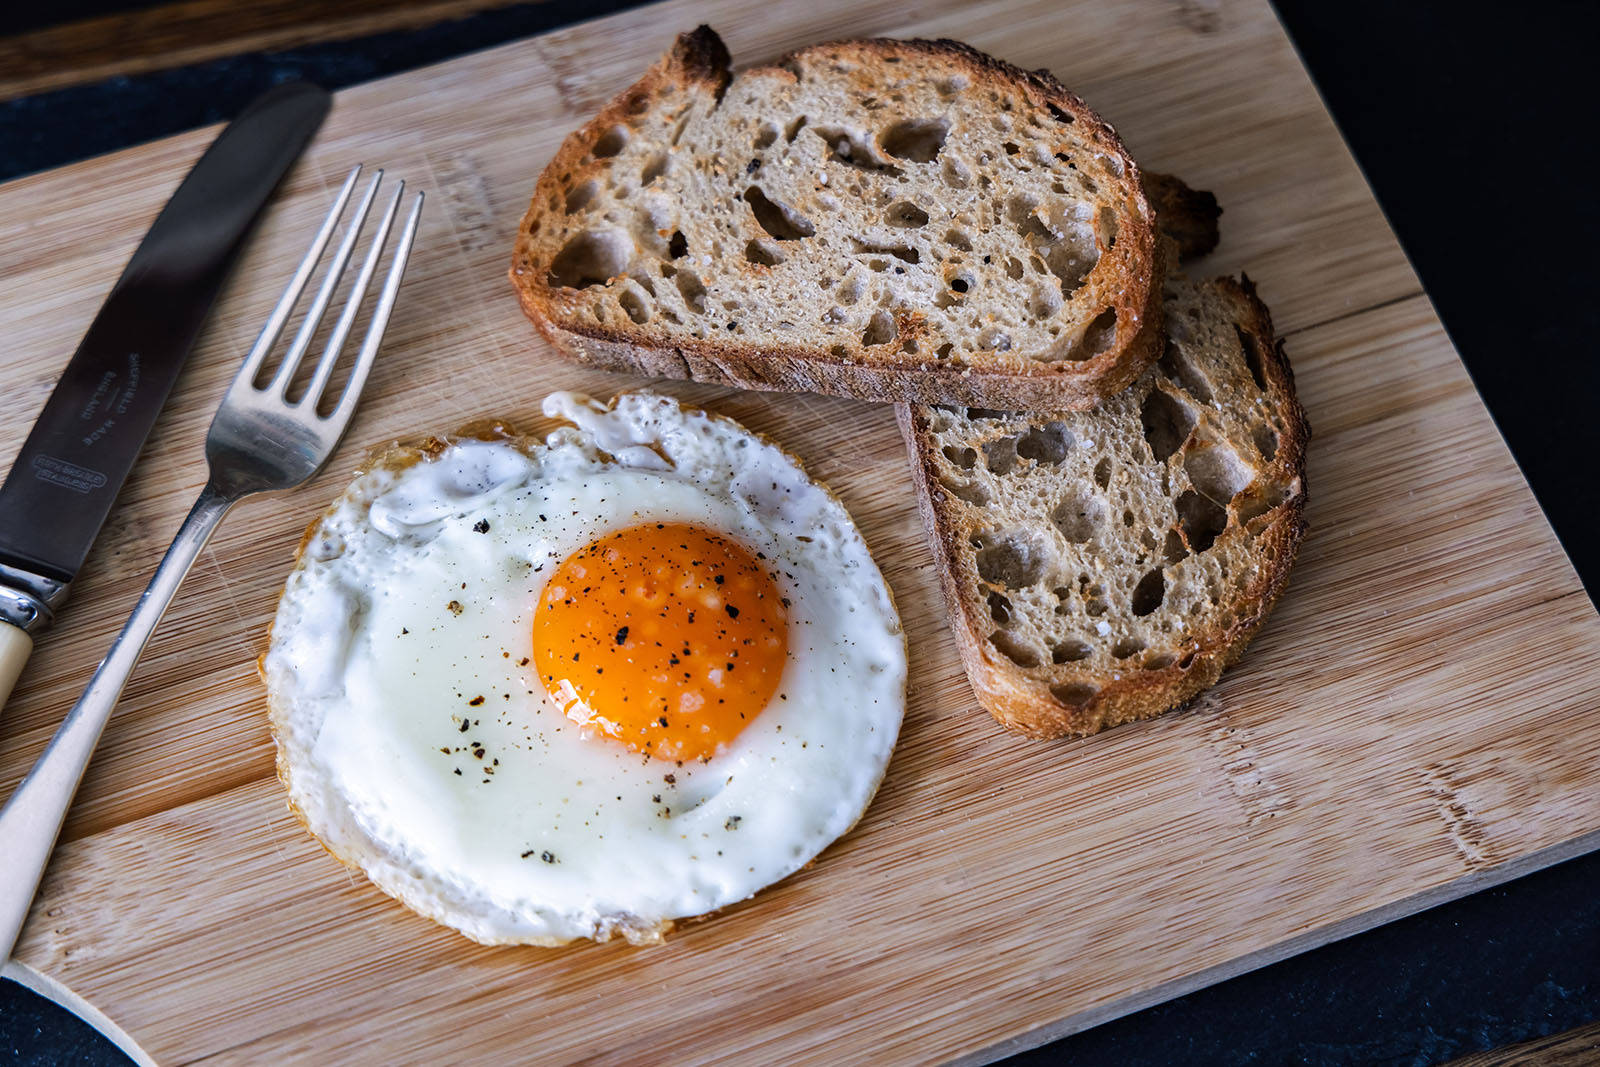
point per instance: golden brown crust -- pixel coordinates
(1025, 705)
(1127, 269)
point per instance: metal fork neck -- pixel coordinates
(32, 818)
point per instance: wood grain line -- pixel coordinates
(1377, 306)
(1467, 833)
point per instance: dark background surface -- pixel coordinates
(1476, 125)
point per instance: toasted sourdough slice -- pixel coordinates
(1105, 566)
(890, 220)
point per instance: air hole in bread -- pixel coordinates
(678, 247)
(961, 283)
(974, 493)
(957, 239)
(1016, 560)
(901, 252)
(1070, 650)
(854, 148)
(918, 140)
(1071, 264)
(1149, 593)
(986, 413)
(944, 350)
(635, 306)
(791, 131)
(693, 290)
(1060, 115)
(1216, 470)
(1102, 472)
(999, 608)
(1260, 499)
(852, 288)
(1158, 661)
(1014, 649)
(1128, 646)
(763, 253)
(994, 339)
(955, 173)
(1180, 371)
(880, 329)
(581, 196)
(778, 219)
(1045, 444)
(591, 257)
(1167, 423)
(1200, 520)
(1252, 357)
(1000, 455)
(1044, 303)
(1173, 551)
(1074, 695)
(766, 136)
(1020, 210)
(1186, 661)
(1106, 227)
(611, 142)
(1010, 146)
(906, 216)
(1266, 440)
(1079, 515)
(655, 168)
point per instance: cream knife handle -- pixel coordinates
(32, 818)
(15, 647)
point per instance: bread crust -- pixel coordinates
(1024, 704)
(1123, 278)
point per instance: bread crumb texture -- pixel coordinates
(1105, 566)
(887, 219)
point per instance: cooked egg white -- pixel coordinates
(479, 764)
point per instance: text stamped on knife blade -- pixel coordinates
(67, 475)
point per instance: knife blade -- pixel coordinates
(66, 477)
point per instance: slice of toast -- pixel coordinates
(890, 220)
(1105, 566)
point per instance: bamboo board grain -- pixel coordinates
(1418, 720)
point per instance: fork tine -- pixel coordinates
(330, 282)
(352, 307)
(291, 293)
(340, 416)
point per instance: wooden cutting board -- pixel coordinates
(1417, 721)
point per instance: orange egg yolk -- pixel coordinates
(667, 637)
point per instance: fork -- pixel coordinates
(259, 441)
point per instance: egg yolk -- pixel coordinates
(667, 637)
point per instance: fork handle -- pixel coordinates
(32, 818)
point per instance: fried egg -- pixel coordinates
(586, 687)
